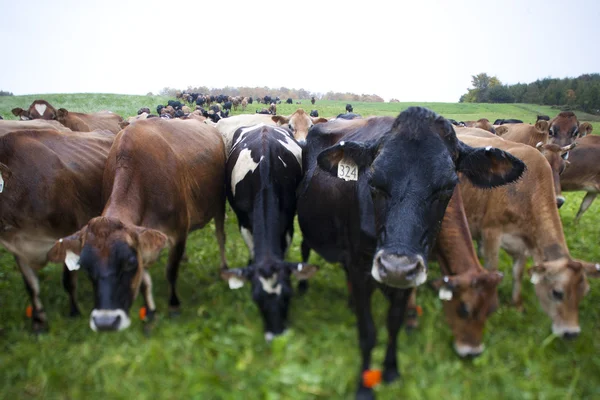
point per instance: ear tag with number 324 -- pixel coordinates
(347, 170)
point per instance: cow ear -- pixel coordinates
(62, 113)
(501, 130)
(235, 277)
(280, 119)
(542, 125)
(303, 271)
(488, 167)
(585, 129)
(18, 111)
(123, 124)
(591, 270)
(151, 242)
(319, 120)
(358, 153)
(67, 250)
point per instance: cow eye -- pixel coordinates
(551, 132)
(131, 263)
(557, 295)
(290, 126)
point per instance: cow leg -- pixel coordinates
(220, 233)
(39, 320)
(172, 271)
(303, 284)
(412, 321)
(491, 248)
(585, 204)
(518, 268)
(398, 299)
(146, 289)
(362, 289)
(69, 281)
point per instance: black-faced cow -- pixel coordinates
(368, 201)
(263, 171)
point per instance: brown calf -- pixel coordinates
(522, 218)
(163, 179)
(51, 186)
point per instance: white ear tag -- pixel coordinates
(1, 183)
(235, 282)
(72, 261)
(347, 170)
(536, 278)
(445, 294)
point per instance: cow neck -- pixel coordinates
(454, 248)
(548, 238)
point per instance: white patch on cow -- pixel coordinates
(1, 183)
(465, 350)
(536, 278)
(445, 294)
(421, 278)
(147, 279)
(40, 108)
(300, 267)
(269, 336)
(291, 146)
(283, 162)
(270, 285)
(72, 261)
(597, 267)
(235, 282)
(375, 273)
(488, 148)
(124, 323)
(560, 330)
(248, 239)
(243, 133)
(243, 165)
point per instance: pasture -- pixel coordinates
(216, 350)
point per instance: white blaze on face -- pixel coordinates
(247, 236)
(243, 165)
(124, 319)
(290, 145)
(40, 108)
(270, 285)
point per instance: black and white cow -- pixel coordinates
(349, 108)
(263, 170)
(373, 197)
(314, 113)
(507, 121)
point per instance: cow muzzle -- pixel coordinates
(565, 331)
(398, 270)
(467, 350)
(109, 320)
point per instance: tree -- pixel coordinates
(499, 94)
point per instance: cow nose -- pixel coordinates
(467, 350)
(560, 201)
(399, 270)
(570, 335)
(107, 322)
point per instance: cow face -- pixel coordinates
(469, 300)
(565, 129)
(560, 285)
(299, 123)
(405, 180)
(41, 109)
(557, 158)
(271, 290)
(114, 256)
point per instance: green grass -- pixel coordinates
(216, 350)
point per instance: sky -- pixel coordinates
(423, 50)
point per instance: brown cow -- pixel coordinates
(482, 123)
(163, 179)
(11, 125)
(584, 171)
(51, 187)
(523, 219)
(299, 123)
(565, 128)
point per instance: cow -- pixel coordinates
(244, 103)
(312, 100)
(507, 121)
(228, 126)
(201, 100)
(163, 179)
(565, 128)
(273, 109)
(542, 118)
(250, 100)
(349, 108)
(299, 123)
(267, 99)
(143, 110)
(379, 209)
(584, 171)
(523, 219)
(348, 116)
(263, 171)
(51, 185)
(314, 113)
(482, 123)
(236, 103)
(457, 123)
(35, 124)
(227, 105)
(289, 101)
(1, 117)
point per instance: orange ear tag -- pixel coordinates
(371, 377)
(419, 310)
(29, 311)
(143, 312)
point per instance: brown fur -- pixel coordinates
(564, 129)
(9, 126)
(482, 123)
(299, 122)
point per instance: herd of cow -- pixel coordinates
(380, 195)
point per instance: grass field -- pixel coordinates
(215, 349)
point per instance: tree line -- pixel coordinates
(282, 92)
(581, 93)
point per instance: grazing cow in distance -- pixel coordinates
(244, 104)
(250, 100)
(507, 121)
(482, 123)
(236, 103)
(542, 118)
(263, 171)
(273, 109)
(163, 179)
(299, 123)
(263, 111)
(457, 123)
(312, 100)
(289, 101)
(348, 116)
(314, 113)
(200, 101)
(523, 219)
(367, 201)
(143, 110)
(227, 105)
(584, 171)
(349, 108)
(267, 100)
(565, 128)
(51, 185)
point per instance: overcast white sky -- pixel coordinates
(411, 50)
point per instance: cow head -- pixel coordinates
(405, 179)
(485, 124)
(560, 286)
(114, 256)
(271, 290)
(23, 115)
(299, 123)
(557, 158)
(41, 109)
(468, 300)
(565, 129)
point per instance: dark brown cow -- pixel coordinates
(51, 186)
(565, 128)
(41, 109)
(163, 179)
(11, 125)
(522, 218)
(584, 171)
